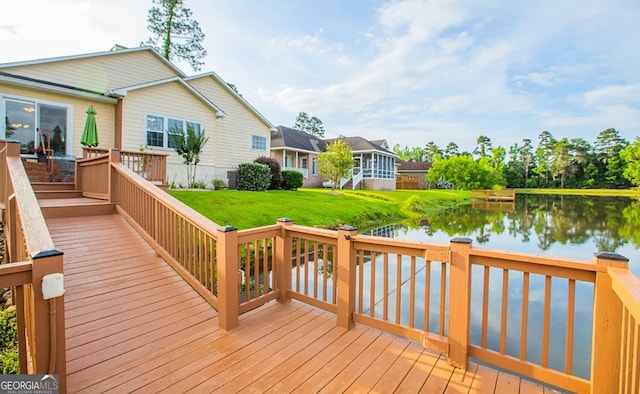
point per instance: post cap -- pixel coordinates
(284, 220)
(347, 228)
(461, 240)
(226, 229)
(611, 256)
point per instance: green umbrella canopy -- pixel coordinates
(90, 133)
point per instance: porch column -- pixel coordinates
(118, 126)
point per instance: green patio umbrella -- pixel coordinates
(90, 133)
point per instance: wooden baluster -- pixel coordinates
(607, 327)
(459, 302)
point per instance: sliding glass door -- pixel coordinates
(35, 124)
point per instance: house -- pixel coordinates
(415, 170)
(374, 164)
(139, 97)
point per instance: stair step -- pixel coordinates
(82, 210)
(53, 186)
(49, 194)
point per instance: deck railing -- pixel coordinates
(494, 195)
(433, 294)
(29, 257)
(150, 166)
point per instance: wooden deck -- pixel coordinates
(133, 325)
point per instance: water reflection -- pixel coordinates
(563, 226)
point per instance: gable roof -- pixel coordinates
(123, 92)
(117, 49)
(413, 166)
(285, 137)
(233, 93)
(359, 144)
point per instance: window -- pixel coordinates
(159, 130)
(258, 142)
(303, 163)
(314, 166)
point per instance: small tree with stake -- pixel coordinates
(189, 146)
(336, 162)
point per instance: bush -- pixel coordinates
(291, 180)
(8, 341)
(274, 167)
(218, 184)
(253, 176)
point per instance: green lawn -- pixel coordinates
(317, 207)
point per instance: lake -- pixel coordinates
(560, 226)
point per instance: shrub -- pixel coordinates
(291, 180)
(199, 185)
(253, 176)
(218, 184)
(274, 167)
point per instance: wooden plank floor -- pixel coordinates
(132, 325)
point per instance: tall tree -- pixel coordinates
(608, 146)
(483, 146)
(544, 157)
(175, 34)
(451, 150)
(526, 157)
(432, 151)
(336, 162)
(562, 160)
(631, 155)
(309, 124)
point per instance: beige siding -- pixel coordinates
(172, 100)
(233, 138)
(105, 118)
(100, 73)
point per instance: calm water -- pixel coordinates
(562, 226)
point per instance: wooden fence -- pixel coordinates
(150, 166)
(29, 257)
(409, 182)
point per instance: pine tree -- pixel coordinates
(175, 34)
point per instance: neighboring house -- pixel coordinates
(298, 151)
(374, 164)
(139, 97)
(416, 169)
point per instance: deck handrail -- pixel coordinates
(30, 255)
(150, 165)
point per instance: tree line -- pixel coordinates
(610, 162)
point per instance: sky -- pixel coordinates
(408, 71)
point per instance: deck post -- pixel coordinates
(346, 257)
(228, 284)
(112, 187)
(607, 326)
(459, 302)
(49, 352)
(282, 263)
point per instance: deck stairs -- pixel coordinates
(63, 200)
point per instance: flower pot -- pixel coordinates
(42, 158)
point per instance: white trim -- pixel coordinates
(238, 97)
(56, 89)
(122, 92)
(311, 152)
(165, 130)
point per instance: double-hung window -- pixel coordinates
(159, 130)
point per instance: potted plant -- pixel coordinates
(39, 152)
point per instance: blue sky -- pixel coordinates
(406, 71)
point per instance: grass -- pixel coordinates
(584, 192)
(317, 207)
